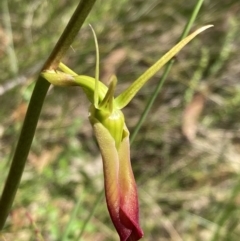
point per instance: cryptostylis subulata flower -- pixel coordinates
(112, 136)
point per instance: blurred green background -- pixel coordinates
(186, 158)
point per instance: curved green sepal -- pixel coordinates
(88, 85)
(59, 78)
(70, 78)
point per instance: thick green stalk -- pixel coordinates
(34, 109)
(165, 73)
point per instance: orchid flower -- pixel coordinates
(112, 135)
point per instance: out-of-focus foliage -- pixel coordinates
(186, 157)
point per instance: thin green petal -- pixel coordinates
(108, 102)
(96, 94)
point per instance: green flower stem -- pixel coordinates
(34, 109)
(192, 19)
(165, 73)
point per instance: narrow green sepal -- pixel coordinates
(124, 98)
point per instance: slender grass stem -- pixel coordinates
(165, 73)
(34, 109)
(226, 212)
(97, 201)
(72, 218)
